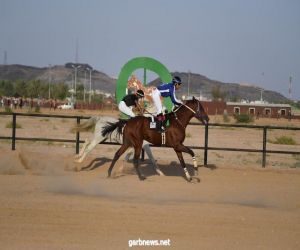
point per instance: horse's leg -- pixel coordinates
(121, 150)
(86, 142)
(185, 149)
(137, 153)
(148, 151)
(179, 155)
(128, 155)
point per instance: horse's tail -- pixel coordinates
(112, 126)
(86, 126)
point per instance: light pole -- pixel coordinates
(90, 92)
(75, 68)
(49, 80)
(189, 84)
(84, 85)
(290, 87)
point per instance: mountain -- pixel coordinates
(57, 74)
(199, 85)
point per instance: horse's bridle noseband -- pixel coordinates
(196, 113)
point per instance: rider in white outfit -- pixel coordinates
(129, 101)
(165, 90)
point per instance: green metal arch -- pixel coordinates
(145, 63)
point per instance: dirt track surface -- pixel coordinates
(44, 204)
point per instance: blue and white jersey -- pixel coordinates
(168, 90)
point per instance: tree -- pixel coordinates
(80, 92)
(33, 88)
(20, 88)
(6, 88)
(59, 91)
(217, 94)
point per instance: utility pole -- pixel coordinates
(290, 87)
(76, 67)
(84, 85)
(49, 81)
(76, 52)
(189, 83)
(90, 92)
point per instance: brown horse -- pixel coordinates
(138, 129)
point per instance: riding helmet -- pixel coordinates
(176, 79)
(140, 93)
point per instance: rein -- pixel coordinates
(189, 108)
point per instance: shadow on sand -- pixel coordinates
(146, 167)
(96, 163)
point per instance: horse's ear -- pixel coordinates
(194, 98)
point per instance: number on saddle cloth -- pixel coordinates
(156, 120)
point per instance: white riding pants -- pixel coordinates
(156, 99)
(125, 109)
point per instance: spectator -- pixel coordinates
(21, 103)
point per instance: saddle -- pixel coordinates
(159, 123)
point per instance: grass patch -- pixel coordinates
(228, 128)
(64, 120)
(7, 109)
(297, 157)
(226, 118)
(284, 140)
(296, 165)
(37, 109)
(188, 135)
(10, 125)
(44, 120)
(243, 118)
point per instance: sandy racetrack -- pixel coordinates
(44, 204)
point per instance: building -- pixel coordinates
(257, 108)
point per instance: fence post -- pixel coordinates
(264, 147)
(206, 144)
(77, 136)
(13, 137)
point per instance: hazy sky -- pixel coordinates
(254, 41)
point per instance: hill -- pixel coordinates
(57, 74)
(199, 85)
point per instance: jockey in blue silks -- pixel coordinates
(166, 90)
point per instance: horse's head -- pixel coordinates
(198, 110)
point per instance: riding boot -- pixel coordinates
(160, 128)
(160, 123)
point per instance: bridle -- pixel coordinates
(196, 113)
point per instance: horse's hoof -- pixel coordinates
(78, 168)
(194, 180)
(142, 178)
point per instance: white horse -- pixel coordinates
(99, 122)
